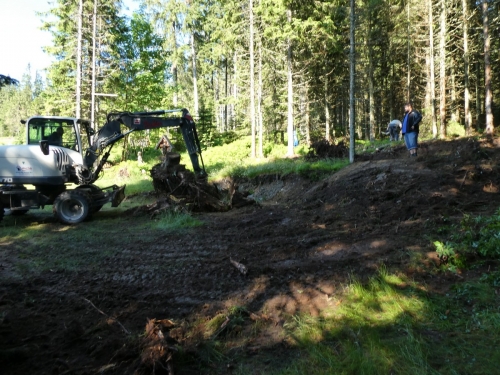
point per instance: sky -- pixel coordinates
(21, 39)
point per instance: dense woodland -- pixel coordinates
(263, 67)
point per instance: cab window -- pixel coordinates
(58, 132)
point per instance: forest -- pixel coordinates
(385, 264)
(268, 68)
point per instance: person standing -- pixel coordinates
(410, 128)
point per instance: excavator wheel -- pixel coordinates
(96, 193)
(72, 206)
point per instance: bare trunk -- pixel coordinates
(175, 97)
(252, 82)
(431, 65)
(291, 151)
(371, 95)
(79, 62)
(442, 72)
(487, 72)
(94, 35)
(352, 75)
(235, 90)
(478, 97)
(195, 77)
(408, 53)
(259, 104)
(226, 93)
(467, 114)
(307, 117)
(455, 114)
(327, 111)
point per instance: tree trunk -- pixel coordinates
(487, 72)
(291, 151)
(371, 93)
(79, 61)
(195, 77)
(92, 95)
(478, 97)
(467, 114)
(307, 117)
(226, 94)
(408, 53)
(175, 97)
(235, 89)
(442, 71)
(327, 111)
(252, 81)
(431, 66)
(259, 104)
(352, 75)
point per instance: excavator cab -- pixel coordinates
(61, 132)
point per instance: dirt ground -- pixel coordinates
(300, 244)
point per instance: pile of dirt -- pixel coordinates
(290, 254)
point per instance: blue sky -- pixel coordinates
(21, 39)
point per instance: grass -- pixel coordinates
(393, 325)
(175, 221)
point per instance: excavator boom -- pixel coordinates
(111, 133)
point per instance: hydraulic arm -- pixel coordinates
(111, 133)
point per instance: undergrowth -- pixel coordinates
(474, 237)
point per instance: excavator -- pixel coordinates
(64, 156)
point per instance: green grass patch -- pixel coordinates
(174, 221)
(393, 325)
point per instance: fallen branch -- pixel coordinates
(240, 267)
(107, 316)
(463, 179)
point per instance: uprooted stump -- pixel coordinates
(323, 149)
(156, 356)
(182, 186)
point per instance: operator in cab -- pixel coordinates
(55, 139)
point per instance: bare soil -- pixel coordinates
(300, 245)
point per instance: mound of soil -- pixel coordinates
(297, 248)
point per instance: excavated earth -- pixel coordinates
(301, 243)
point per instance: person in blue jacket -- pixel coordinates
(410, 128)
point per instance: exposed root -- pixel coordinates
(181, 185)
(156, 357)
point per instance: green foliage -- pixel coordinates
(480, 235)
(455, 129)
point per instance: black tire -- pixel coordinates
(72, 207)
(96, 192)
(1, 211)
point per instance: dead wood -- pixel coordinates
(107, 316)
(180, 184)
(156, 353)
(240, 267)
